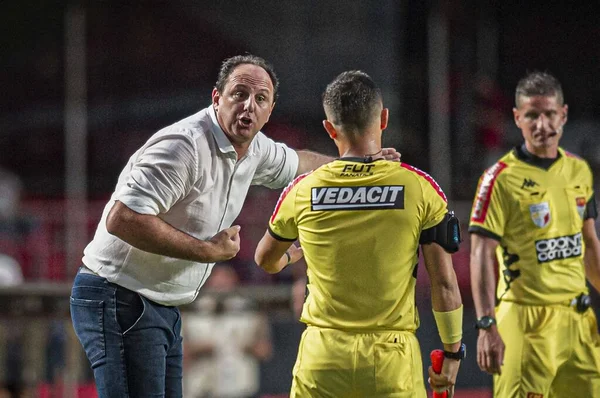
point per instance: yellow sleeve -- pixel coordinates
(282, 224)
(490, 206)
(436, 205)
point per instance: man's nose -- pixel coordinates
(543, 122)
(249, 104)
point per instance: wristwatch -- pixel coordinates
(459, 355)
(485, 322)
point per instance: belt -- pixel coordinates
(85, 270)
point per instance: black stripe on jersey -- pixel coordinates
(591, 211)
(277, 237)
(475, 229)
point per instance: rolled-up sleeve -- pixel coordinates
(163, 173)
(278, 164)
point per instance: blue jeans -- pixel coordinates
(133, 344)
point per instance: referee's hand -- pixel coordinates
(490, 350)
(295, 253)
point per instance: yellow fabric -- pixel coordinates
(536, 214)
(358, 365)
(560, 348)
(362, 261)
(450, 325)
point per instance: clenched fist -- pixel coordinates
(226, 243)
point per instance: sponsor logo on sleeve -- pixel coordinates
(540, 214)
(484, 193)
(379, 197)
(558, 248)
(581, 203)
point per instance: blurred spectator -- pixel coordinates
(10, 271)
(10, 194)
(20, 241)
(10, 275)
(224, 341)
(489, 117)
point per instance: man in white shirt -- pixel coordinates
(167, 223)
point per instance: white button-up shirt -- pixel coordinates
(188, 175)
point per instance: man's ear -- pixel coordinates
(330, 129)
(517, 117)
(385, 115)
(565, 114)
(215, 98)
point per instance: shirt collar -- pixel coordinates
(523, 154)
(222, 140)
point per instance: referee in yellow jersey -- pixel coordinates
(360, 220)
(534, 215)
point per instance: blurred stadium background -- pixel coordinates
(85, 83)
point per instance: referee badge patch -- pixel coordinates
(580, 201)
(540, 214)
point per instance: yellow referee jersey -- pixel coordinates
(535, 208)
(359, 223)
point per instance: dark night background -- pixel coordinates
(151, 63)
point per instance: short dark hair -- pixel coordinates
(231, 63)
(351, 99)
(539, 83)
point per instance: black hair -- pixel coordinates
(350, 100)
(228, 66)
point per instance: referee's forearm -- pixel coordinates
(445, 294)
(592, 265)
(592, 253)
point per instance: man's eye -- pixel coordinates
(238, 94)
(261, 98)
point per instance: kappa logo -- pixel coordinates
(534, 395)
(379, 197)
(528, 183)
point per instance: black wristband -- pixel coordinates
(459, 355)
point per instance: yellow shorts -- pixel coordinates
(551, 352)
(341, 364)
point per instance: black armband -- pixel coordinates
(591, 211)
(445, 234)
